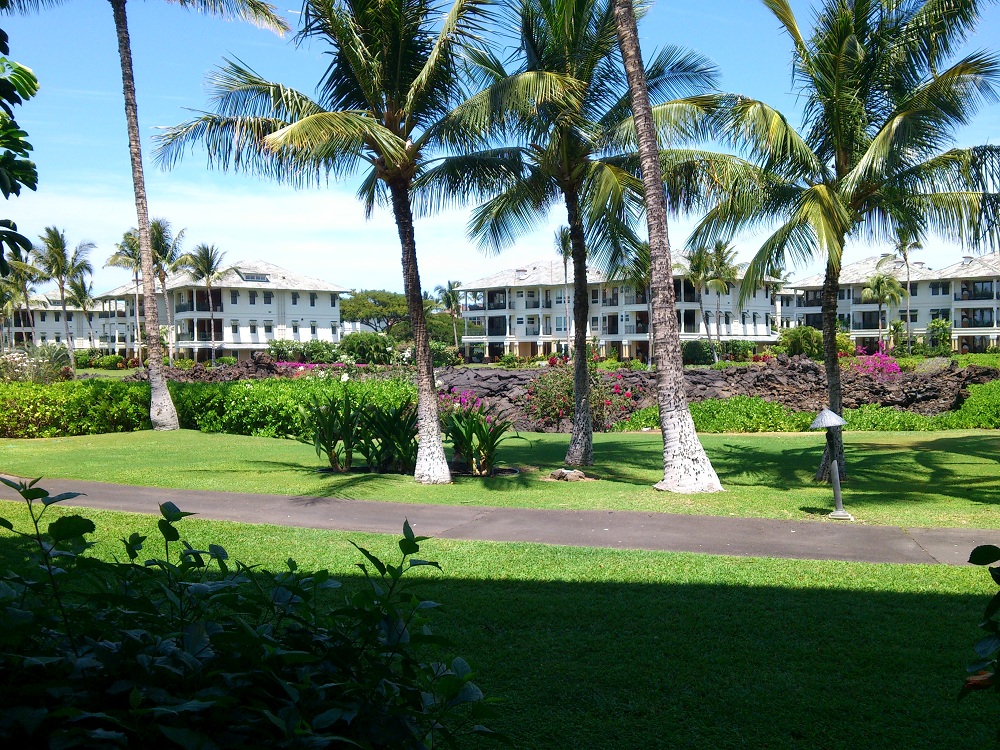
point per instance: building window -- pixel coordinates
(57, 320)
(520, 294)
(560, 324)
(520, 321)
(595, 296)
(253, 326)
(333, 300)
(913, 288)
(234, 326)
(312, 328)
(295, 328)
(69, 317)
(333, 327)
(594, 322)
(41, 316)
(268, 327)
(90, 317)
(295, 298)
(268, 296)
(57, 338)
(312, 300)
(234, 297)
(253, 298)
(43, 338)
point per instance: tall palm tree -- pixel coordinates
(905, 245)
(166, 257)
(701, 272)
(387, 104)
(162, 413)
(80, 294)
(9, 295)
(204, 263)
(880, 109)
(564, 250)
(24, 275)
(686, 467)
(726, 271)
(450, 299)
(128, 255)
(884, 290)
(58, 264)
(579, 154)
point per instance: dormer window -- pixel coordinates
(254, 276)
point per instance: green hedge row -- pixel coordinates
(264, 408)
(753, 414)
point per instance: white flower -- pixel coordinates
(344, 378)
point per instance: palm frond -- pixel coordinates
(257, 12)
(498, 222)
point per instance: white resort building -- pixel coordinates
(965, 293)
(529, 311)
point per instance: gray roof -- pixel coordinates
(861, 271)
(973, 267)
(539, 273)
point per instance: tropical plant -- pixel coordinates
(56, 263)
(204, 264)
(939, 335)
(902, 248)
(579, 153)
(725, 272)
(686, 467)
(259, 12)
(475, 436)
(127, 255)
(804, 340)
(386, 103)
(884, 290)
(699, 269)
(873, 159)
(333, 426)
(80, 294)
(166, 260)
(449, 298)
(564, 249)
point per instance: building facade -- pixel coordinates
(528, 311)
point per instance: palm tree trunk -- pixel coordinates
(69, 338)
(211, 326)
(27, 310)
(718, 320)
(686, 468)
(170, 319)
(908, 335)
(708, 331)
(454, 327)
(581, 442)
(566, 301)
(137, 349)
(880, 327)
(432, 467)
(834, 436)
(162, 413)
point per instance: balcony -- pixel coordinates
(547, 304)
(611, 301)
(799, 302)
(547, 331)
(689, 297)
(976, 323)
(201, 336)
(633, 328)
(497, 330)
(184, 307)
(973, 295)
(497, 305)
(531, 330)
(475, 306)
(532, 304)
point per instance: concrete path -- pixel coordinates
(750, 537)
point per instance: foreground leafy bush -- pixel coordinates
(80, 407)
(109, 362)
(194, 650)
(474, 431)
(368, 347)
(549, 398)
(697, 352)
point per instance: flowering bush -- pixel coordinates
(880, 366)
(549, 399)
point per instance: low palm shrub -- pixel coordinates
(191, 649)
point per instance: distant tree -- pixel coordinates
(23, 275)
(205, 264)
(166, 259)
(449, 298)
(128, 256)
(884, 290)
(80, 294)
(905, 245)
(700, 271)
(376, 308)
(58, 264)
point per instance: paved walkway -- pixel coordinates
(751, 537)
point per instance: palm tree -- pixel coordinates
(884, 290)
(564, 250)
(80, 294)
(162, 413)
(205, 264)
(725, 271)
(166, 257)
(880, 110)
(387, 103)
(686, 467)
(58, 264)
(580, 153)
(700, 271)
(904, 245)
(449, 299)
(23, 275)
(128, 255)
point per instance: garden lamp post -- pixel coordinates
(825, 420)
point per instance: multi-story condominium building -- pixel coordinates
(529, 311)
(965, 293)
(252, 304)
(46, 325)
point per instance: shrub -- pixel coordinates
(46, 363)
(445, 355)
(333, 426)
(282, 350)
(225, 361)
(388, 439)
(319, 352)
(183, 363)
(194, 650)
(475, 433)
(79, 407)
(549, 398)
(804, 340)
(738, 350)
(697, 352)
(85, 357)
(878, 366)
(368, 347)
(109, 362)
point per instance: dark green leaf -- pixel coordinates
(4, 523)
(69, 527)
(994, 605)
(37, 493)
(988, 645)
(408, 546)
(379, 566)
(189, 739)
(169, 532)
(985, 554)
(172, 513)
(407, 531)
(53, 499)
(415, 563)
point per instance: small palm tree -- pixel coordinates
(80, 294)
(58, 264)
(128, 255)
(24, 275)
(166, 257)
(906, 244)
(700, 270)
(450, 300)
(884, 290)
(205, 264)
(724, 271)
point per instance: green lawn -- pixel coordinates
(907, 479)
(597, 648)
(90, 372)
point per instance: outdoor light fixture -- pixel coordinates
(824, 421)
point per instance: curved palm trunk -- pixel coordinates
(162, 413)
(581, 442)
(432, 467)
(69, 338)
(708, 331)
(908, 333)
(170, 319)
(211, 325)
(138, 330)
(31, 318)
(454, 327)
(686, 467)
(834, 436)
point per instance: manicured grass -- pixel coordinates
(907, 479)
(90, 372)
(599, 648)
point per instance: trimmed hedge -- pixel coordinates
(79, 407)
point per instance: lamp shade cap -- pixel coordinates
(827, 418)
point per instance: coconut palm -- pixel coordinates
(80, 294)
(579, 154)
(128, 255)
(564, 250)
(884, 290)
(23, 276)
(162, 413)
(166, 257)
(204, 263)
(905, 245)
(58, 264)
(701, 272)
(880, 109)
(686, 467)
(450, 300)
(387, 104)
(725, 271)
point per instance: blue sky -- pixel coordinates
(77, 126)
